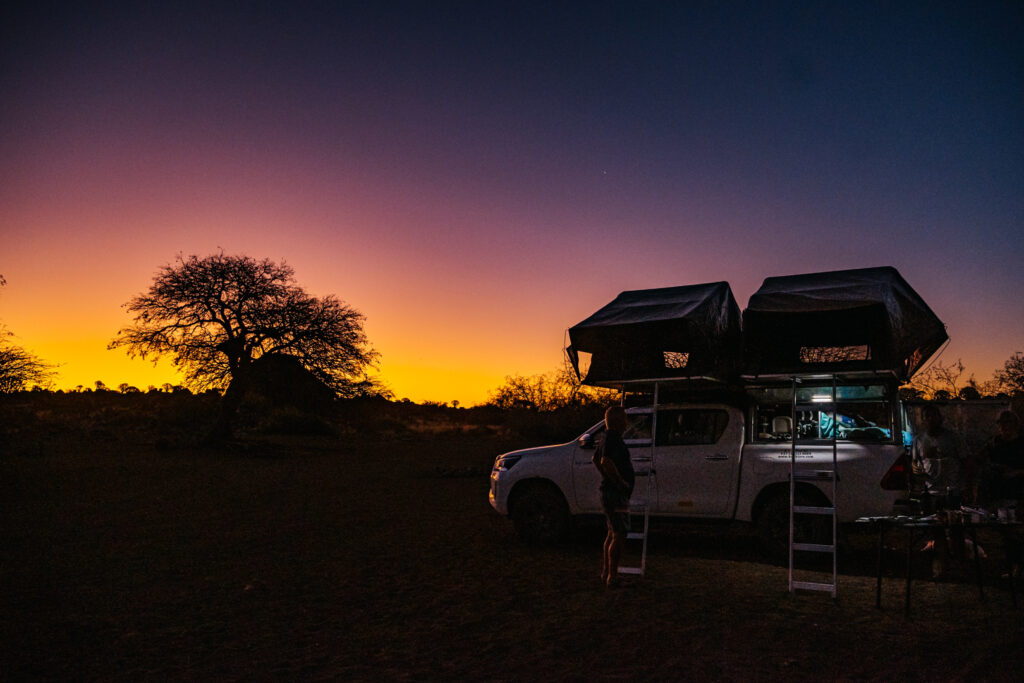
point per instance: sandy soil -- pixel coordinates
(326, 560)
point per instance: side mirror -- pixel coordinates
(586, 441)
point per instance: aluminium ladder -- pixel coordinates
(641, 510)
(817, 474)
(637, 511)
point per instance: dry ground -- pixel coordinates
(377, 560)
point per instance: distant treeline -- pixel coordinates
(38, 421)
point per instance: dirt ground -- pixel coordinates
(327, 559)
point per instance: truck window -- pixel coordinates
(862, 414)
(638, 428)
(691, 427)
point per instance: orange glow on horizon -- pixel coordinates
(451, 338)
(83, 361)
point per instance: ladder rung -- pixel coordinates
(814, 547)
(631, 570)
(814, 586)
(812, 510)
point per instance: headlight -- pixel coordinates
(506, 462)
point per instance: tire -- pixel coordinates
(540, 515)
(773, 525)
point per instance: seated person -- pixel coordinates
(1003, 463)
(1002, 481)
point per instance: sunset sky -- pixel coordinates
(476, 177)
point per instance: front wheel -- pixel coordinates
(540, 515)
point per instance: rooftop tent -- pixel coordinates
(846, 320)
(673, 332)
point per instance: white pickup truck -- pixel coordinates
(727, 459)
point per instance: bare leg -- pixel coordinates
(605, 558)
(614, 555)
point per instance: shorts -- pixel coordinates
(616, 511)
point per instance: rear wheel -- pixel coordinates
(773, 525)
(540, 515)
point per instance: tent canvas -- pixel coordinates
(672, 332)
(864, 319)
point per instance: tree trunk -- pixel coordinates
(223, 429)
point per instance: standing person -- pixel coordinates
(936, 456)
(617, 477)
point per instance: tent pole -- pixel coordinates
(654, 422)
(792, 475)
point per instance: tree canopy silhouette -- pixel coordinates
(1011, 376)
(560, 388)
(216, 315)
(19, 367)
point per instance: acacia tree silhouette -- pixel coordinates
(217, 314)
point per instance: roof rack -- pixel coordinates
(842, 377)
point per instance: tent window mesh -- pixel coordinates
(676, 360)
(834, 354)
(584, 359)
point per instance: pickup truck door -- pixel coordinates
(585, 477)
(696, 460)
(587, 480)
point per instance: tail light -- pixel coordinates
(898, 476)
